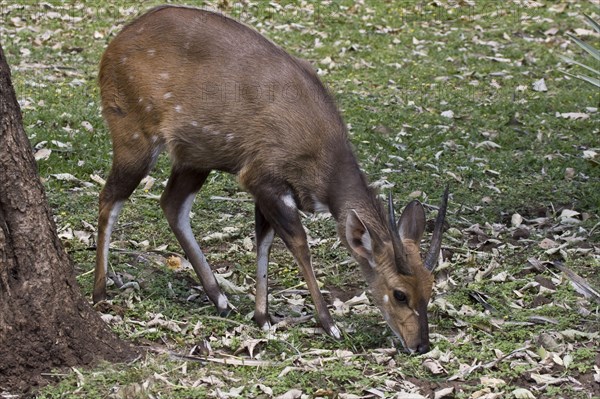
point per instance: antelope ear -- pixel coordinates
(412, 222)
(358, 237)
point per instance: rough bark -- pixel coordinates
(45, 322)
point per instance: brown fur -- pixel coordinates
(219, 96)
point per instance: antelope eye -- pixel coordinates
(400, 296)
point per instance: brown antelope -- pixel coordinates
(219, 96)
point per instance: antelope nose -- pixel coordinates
(423, 348)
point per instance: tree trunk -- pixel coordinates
(45, 322)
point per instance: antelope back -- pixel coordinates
(214, 91)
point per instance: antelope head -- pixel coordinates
(400, 280)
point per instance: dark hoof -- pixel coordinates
(99, 297)
(263, 321)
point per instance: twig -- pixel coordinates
(465, 373)
(579, 283)
(211, 359)
(218, 198)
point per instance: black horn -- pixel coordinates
(436, 238)
(391, 210)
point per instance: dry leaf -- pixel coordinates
(573, 335)
(547, 243)
(98, 179)
(42, 154)
(64, 177)
(434, 366)
(492, 382)
(148, 182)
(408, 395)
(488, 145)
(265, 389)
(568, 213)
(83, 236)
(444, 393)
(540, 85)
(291, 394)
(87, 126)
(174, 262)
(248, 244)
(572, 115)
(516, 220)
(522, 393)
(250, 345)
(547, 379)
(500, 277)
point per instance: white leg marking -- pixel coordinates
(223, 303)
(319, 206)
(261, 274)
(188, 241)
(112, 218)
(183, 218)
(263, 251)
(335, 332)
(288, 201)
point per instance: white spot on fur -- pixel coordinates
(136, 136)
(123, 60)
(194, 123)
(416, 313)
(209, 130)
(154, 138)
(178, 108)
(148, 107)
(288, 201)
(140, 99)
(167, 95)
(151, 52)
(229, 137)
(164, 75)
(386, 298)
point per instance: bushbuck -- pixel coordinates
(220, 96)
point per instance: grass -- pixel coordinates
(397, 66)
